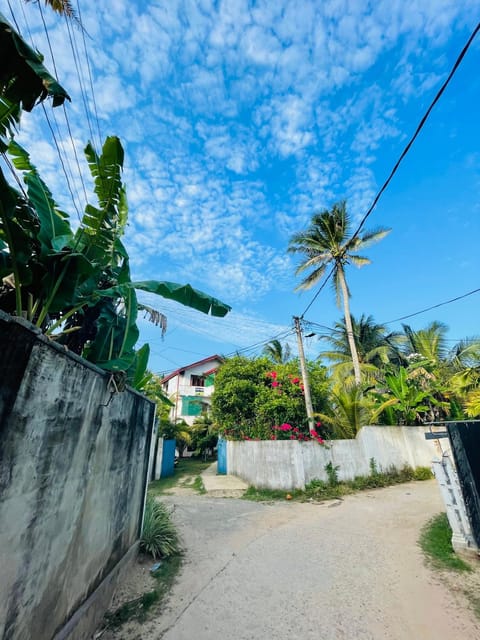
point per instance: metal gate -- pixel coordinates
(465, 441)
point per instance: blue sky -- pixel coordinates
(241, 119)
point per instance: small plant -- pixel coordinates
(159, 536)
(332, 473)
(436, 544)
(373, 467)
(422, 473)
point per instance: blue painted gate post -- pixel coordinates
(222, 456)
(168, 458)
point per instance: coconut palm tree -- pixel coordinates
(328, 241)
(375, 347)
(277, 352)
(64, 7)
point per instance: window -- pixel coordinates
(197, 381)
(191, 406)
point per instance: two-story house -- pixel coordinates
(190, 389)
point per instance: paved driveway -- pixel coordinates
(348, 569)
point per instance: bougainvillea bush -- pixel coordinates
(255, 401)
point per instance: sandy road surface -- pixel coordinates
(339, 570)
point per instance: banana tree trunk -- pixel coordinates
(348, 325)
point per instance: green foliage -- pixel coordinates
(422, 473)
(77, 287)
(332, 473)
(250, 397)
(318, 490)
(138, 608)
(159, 536)
(204, 436)
(186, 472)
(436, 543)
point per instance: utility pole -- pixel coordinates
(303, 367)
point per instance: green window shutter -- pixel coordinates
(191, 406)
(210, 380)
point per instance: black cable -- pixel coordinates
(405, 150)
(418, 129)
(323, 285)
(435, 306)
(90, 77)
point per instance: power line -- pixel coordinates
(406, 149)
(323, 285)
(87, 57)
(279, 336)
(435, 306)
(418, 129)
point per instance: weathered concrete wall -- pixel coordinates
(283, 464)
(73, 469)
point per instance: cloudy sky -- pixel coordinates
(240, 120)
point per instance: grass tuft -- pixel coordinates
(159, 535)
(138, 608)
(185, 468)
(436, 543)
(318, 490)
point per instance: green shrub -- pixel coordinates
(436, 543)
(159, 536)
(422, 473)
(332, 474)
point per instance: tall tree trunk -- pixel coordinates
(348, 325)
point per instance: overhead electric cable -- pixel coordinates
(87, 57)
(435, 306)
(83, 93)
(323, 285)
(64, 109)
(13, 16)
(419, 128)
(60, 156)
(406, 149)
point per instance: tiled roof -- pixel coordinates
(194, 364)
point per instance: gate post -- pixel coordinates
(446, 475)
(222, 456)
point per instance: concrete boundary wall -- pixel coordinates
(74, 461)
(283, 464)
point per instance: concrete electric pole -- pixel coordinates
(303, 367)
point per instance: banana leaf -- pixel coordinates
(23, 78)
(54, 232)
(186, 295)
(9, 117)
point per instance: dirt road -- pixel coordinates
(349, 569)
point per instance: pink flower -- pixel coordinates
(275, 383)
(292, 437)
(274, 437)
(285, 426)
(295, 380)
(319, 424)
(313, 433)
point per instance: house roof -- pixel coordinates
(194, 364)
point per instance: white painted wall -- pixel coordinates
(283, 464)
(179, 386)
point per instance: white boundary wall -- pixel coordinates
(284, 464)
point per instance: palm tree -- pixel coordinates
(428, 344)
(328, 241)
(64, 7)
(375, 347)
(277, 352)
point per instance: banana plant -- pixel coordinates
(77, 287)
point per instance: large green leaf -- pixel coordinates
(54, 232)
(102, 226)
(23, 78)
(185, 294)
(9, 117)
